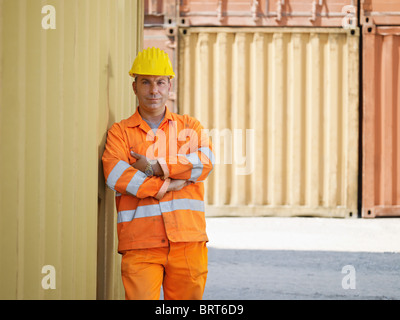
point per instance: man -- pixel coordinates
(156, 161)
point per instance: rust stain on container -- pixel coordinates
(381, 118)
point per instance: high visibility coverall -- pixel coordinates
(148, 215)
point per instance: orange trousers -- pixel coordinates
(181, 269)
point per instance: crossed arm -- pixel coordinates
(170, 174)
(141, 163)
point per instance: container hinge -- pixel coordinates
(254, 10)
(219, 11)
(279, 5)
(350, 19)
(314, 9)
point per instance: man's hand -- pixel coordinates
(178, 184)
(141, 163)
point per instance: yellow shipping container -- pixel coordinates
(281, 105)
(63, 82)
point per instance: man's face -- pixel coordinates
(152, 91)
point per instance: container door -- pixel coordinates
(281, 106)
(381, 118)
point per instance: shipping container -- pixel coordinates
(381, 118)
(380, 12)
(281, 106)
(64, 80)
(311, 13)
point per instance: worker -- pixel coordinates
(156, 161)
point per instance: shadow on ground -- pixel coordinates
(285, 274)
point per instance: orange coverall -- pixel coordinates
(161, 234)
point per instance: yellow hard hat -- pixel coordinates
(154, 62)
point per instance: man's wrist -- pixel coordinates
(157, 171)
(149, 169)
(164, 172)
(163, 190)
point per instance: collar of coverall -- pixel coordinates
(136, 119)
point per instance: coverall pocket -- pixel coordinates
(133, 261)
(196, 254)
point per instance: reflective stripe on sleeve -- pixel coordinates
(208, 153)
(197, 169)
(116, 173)
(137, 180)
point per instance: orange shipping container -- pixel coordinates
(381, 116)
(380, 12)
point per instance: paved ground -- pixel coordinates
(303, 258)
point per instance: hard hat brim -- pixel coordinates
(133, 75)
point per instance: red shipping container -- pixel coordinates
(381, 118)
(380, 12)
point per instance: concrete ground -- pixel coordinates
(303, 258)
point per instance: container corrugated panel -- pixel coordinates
(381, 118)
(380, 12)
(268, 13)
(60, 90)
(281, 106)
